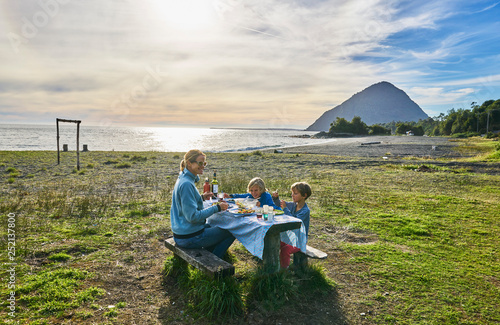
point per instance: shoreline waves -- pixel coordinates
(44, 137)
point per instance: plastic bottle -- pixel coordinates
(206, 186)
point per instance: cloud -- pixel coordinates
(487, 8)
(252, 62)
(429, 95)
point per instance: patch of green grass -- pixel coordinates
(141, 212)
(111, 313)
(11, 170)
(59, 257)
(84, 315)
(257, 153)
(53, 293)
(215, 299)
(121, 304)
(494, 156)
(229, 297)
(111, 162)
(139, 158)
(428, 168)
(272, 291)
(123, 165)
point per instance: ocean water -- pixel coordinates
(15, 137)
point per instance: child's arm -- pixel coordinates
(276, 198)
(266, 199)
(287, 207)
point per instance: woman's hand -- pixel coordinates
(223, 206)
(207, 195)
(226, 195)
(283, 204)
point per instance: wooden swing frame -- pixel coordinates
(77, 140)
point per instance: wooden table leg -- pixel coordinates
(271, 254)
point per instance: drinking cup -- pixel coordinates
(265, 212)
(270, 213)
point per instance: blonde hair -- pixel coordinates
(303, 188)
(257, 181)
(191, 156)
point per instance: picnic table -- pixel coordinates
(262, 238)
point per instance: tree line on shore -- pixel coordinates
(478, 120)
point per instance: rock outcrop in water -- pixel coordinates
(379, 103)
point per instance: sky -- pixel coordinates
(229, 63)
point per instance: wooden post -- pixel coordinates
(271, 254)
(78, 145)
(58, 157)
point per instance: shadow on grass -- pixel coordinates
(301, 296)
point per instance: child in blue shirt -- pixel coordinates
(298, 208)
(257, 190)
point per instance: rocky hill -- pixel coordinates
(379, 103)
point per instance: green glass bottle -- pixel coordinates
(215, 185)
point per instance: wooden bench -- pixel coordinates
(201, 259)
(300, 258)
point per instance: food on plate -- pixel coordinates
(243, 211)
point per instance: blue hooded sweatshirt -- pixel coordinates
(187, 215)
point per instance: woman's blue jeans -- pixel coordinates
(213, 239)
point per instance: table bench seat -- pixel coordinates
(201, 259)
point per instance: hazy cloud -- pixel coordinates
(253, 63)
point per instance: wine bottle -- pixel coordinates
(215, 185)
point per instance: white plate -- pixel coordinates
(235, 213)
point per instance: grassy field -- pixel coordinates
(410, 241)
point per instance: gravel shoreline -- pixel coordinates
(382, 146)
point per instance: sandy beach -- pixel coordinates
(380, 146)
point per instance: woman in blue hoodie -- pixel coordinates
(187, 215)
